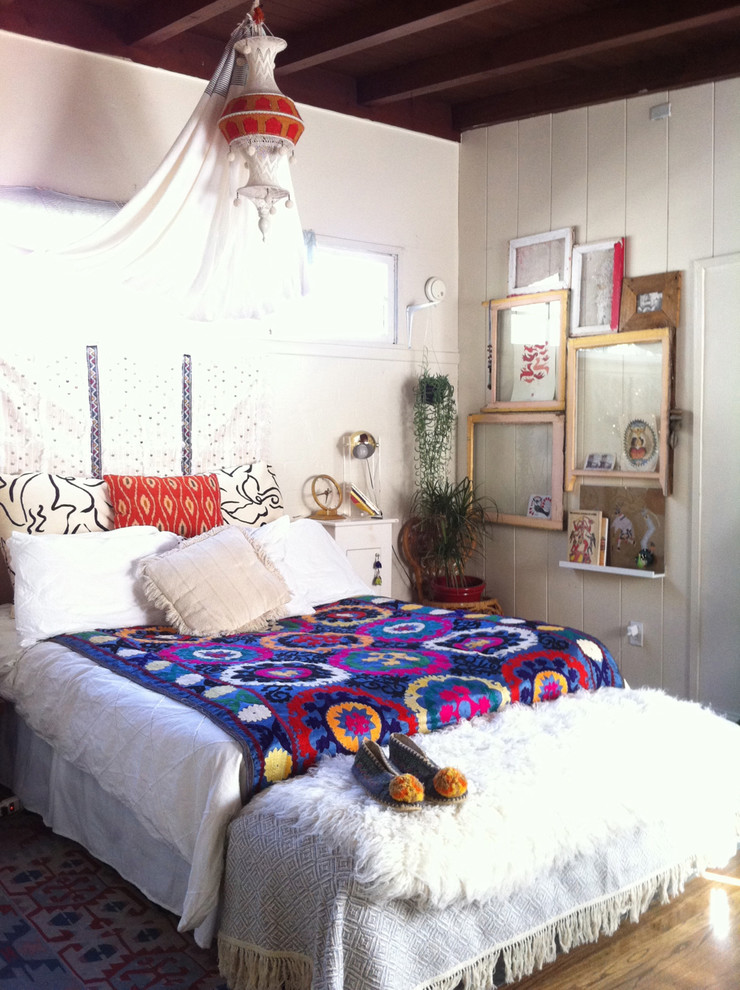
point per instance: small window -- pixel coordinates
(352, 296)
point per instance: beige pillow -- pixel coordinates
(217, 584)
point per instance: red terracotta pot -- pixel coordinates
(470, 589)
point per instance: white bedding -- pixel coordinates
(183, 777)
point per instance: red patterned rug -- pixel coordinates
(68, 922)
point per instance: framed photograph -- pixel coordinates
(525, 367)
(517, 460)
(596, 292)
(650, 301)
(600, 462)
(540, 262)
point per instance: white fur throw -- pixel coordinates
(545, 783)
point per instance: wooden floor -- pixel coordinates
(692, 943)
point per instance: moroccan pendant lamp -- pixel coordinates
(261, 123)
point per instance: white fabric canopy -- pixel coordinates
(181, 235)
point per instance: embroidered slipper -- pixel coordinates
(445, 785)
(398, 790)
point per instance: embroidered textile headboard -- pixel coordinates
(84, 411)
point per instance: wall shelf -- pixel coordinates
(605, 569)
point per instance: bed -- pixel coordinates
(245, 820)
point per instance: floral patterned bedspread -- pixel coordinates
(359, 668)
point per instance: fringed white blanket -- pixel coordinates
(580, 812)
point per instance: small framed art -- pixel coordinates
(525, 368)
(650, 301)
(540, 262)
(598, 270)
(584, 536)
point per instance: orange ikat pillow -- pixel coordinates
(187, 505)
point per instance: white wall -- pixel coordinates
(672, 187)
(97, 126)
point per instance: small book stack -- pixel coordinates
(588, 537)
(364, 502)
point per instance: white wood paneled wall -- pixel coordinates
(672, 188)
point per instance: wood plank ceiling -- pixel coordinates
(435, 66)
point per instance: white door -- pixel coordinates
(716, 489)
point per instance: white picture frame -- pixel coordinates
(596, 287)
(540, 262)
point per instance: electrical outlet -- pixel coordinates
(634, 633)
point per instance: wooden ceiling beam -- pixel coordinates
(708, 63)
(369, 27)
(605, 29)
(80, 25)
(160, 20)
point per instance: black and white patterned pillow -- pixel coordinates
(250, 495)
(51, 503)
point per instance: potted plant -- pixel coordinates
(448, 516)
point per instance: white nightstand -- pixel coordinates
(361, 540)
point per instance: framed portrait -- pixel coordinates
(517, 459)
(525, 367)
(540, 262)
(596, 290)
(650, 301)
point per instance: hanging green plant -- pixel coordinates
(435, 415)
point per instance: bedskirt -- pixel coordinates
(72, 803)
(310, 904)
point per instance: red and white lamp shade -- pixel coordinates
(261, 123)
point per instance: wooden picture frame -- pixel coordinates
(540, 262)
(614, 381)
(650, 301)
(596, 287)
(526, 353)
(517, 460)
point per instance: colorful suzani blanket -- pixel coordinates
(359, 668)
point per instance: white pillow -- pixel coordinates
(217, 584)
(273, 539)
(73, 583)
(319, 567)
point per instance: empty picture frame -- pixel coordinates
(650, 301)
(526, 354)
(517, 460)
(596, 292)
(618, 381)
(540, 262)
